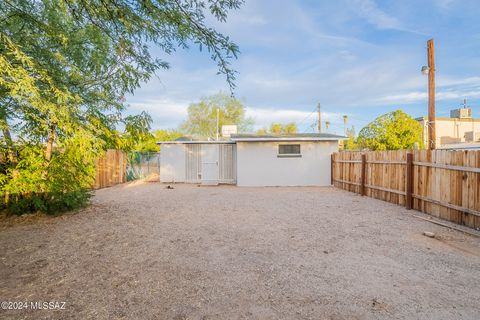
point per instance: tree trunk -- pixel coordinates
(11, 151)
(51, 139)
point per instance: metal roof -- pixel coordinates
(287, 137)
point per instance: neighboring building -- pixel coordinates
(459, 128)
(461, 146)
(251, 160)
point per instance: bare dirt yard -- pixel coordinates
(142, 251)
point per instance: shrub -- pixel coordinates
(55, 186)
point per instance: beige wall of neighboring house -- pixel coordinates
(452, 130)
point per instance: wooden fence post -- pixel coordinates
(409, 180)
(331, 169)
(362, 177)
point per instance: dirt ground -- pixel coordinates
(142, 251)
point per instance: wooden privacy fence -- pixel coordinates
(442, 183)
(111, 169)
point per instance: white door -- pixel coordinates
(210, 164)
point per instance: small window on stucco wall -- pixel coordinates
(289, 150)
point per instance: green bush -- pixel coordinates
(64, 183)
(50, 203)
(65, 69)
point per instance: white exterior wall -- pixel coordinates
(172, 163)
(258, 164)
(184, 162)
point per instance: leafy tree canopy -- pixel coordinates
(202, 116)
(279, 128)
(148, 142)
(287, 128)
(167, 135)
(392, 131)
(65, 67)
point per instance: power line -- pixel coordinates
(308, 116)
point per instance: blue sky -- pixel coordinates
(361, 58)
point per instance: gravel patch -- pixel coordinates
(142, 251)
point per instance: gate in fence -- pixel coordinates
(142, 164)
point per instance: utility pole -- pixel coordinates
(431, 94)
(345, 125)
(218, 120)
(319, 118)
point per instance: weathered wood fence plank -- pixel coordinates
(110, 169)
(442, 183)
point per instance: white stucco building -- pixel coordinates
(251, 160)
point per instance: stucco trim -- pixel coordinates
(195, 142)
(285, 139)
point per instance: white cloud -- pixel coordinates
(408, 97)
(305, 120)
(166, 113)
(295, 53)
(369, 10)
(443, 4)
(448, 88)
(264, 117)
(308, 25)
(418, 96)
(449, 81)
(374, 15)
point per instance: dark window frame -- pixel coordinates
(291, 150)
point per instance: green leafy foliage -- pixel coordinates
(65, 67)
(351, 142)
(136, 136)
(62, 184)
(167, 135)
(202, 116)
(392, 131)
(279, 128)
(148, 142)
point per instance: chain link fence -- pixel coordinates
(143, 164)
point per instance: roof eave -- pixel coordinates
(195, 142)
(287, 139)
